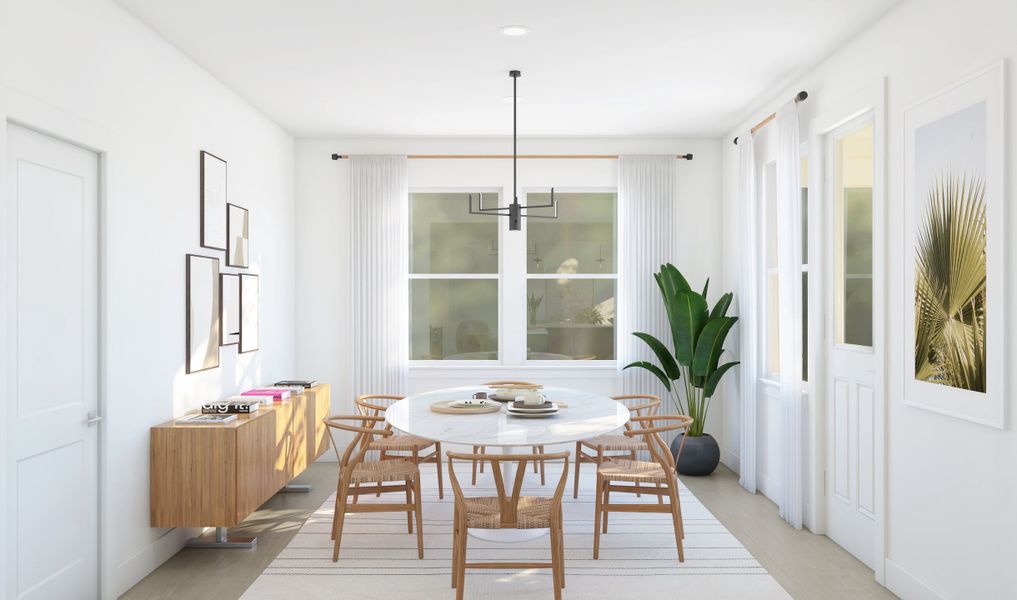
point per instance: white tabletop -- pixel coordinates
(587, 415)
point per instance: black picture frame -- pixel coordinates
(229, 303)
(214, 327)
(243, 228)
(250, 302)
(212, 233)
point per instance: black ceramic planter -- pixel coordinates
(700, 456)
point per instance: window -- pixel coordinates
(468, 279)
(771, 322)
(805, 263)
(853, 179)
(571, 276)
(453, 279)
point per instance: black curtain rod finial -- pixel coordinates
(802, 96)
(687, 156)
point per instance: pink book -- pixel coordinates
(276, 394)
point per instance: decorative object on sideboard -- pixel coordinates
(276, 394)
(230, 406)
(229, 309)
(213, 201)
(202, 307)
(237, 236)
(249, 312)
(206, 419)
(955, 268)
(698, 335)
(304, 383)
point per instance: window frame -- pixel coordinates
(526, 277)
(512, 278)
(766, 271)
(411, 276)
(848, 127)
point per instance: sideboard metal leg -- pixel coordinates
(222, 539)
(295, 488)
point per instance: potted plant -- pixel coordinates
(692, 372)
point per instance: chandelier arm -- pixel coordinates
(551, 204)
(480, 210)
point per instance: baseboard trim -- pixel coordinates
(769, 487)
(731, 460)
(129, 572)
(906, 585)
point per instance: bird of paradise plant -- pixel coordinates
(950, 290)
(698, 335)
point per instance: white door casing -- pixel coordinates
(849, 382)
(50, 251)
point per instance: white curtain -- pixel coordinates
(789, 273)
(648, 238)
(379, 255)
(748, 308)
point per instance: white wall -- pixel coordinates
(951, 485)
(322, 254)
(75, 66)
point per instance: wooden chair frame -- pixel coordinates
(650, 428)
(376, 405)
(482, 450)
(509, 516)
(641, 409)
(348, 461)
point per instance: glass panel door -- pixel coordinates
(853, 179)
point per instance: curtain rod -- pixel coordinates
(679, 156)
(799, 98)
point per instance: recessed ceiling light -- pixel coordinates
(514, 30)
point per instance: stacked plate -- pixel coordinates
(532, 411)
(507, 392)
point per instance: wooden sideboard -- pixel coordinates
(216, 475)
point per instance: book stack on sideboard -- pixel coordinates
(215, 476)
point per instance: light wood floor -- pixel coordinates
(194, 574)
(808, 566)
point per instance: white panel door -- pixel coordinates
(51, 254)
(852, 283)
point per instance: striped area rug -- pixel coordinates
(638, 558)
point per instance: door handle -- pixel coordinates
(92, 419)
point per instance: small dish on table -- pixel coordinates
(532, 411)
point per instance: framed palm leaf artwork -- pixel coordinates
(955, 250)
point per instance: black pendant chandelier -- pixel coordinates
(515, 210)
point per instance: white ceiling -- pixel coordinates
(439, 67)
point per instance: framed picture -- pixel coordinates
(237, 236)
(202, 321)
(249, 312)
(955, 253)
(229, 309)
(213, 201)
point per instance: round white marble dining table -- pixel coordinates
(584, 415)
